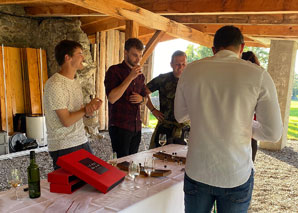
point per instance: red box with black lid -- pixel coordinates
(62, 181)
(91, 170)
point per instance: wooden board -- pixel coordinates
(169, 157)
(156, 173)
(23, 83)
(14, 69)
(9, 93)
(34, 80)
(32, 69)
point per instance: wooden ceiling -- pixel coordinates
(193, 20)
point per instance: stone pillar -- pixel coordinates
(281, 68)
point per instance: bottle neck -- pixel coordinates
(32, 157)
(32, 161)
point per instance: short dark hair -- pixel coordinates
(133, 42)
(249, 56)
(227, 36)
(177, 53)
(65, 47)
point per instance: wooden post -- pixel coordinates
(121, 47)
(147, 71)
(131, 30)
(101, 89)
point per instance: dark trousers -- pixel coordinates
(170, 139)
(124, 142)
(254, 147)
(56, 154)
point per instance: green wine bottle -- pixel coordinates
(33, 177)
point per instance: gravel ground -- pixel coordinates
(276, 180)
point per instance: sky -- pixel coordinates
(164, 51)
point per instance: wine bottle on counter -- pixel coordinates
(33, 177)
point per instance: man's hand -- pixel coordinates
(92, 106)
(135, 98)
(158, 115)
(135, 72)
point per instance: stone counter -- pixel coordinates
(101, 147)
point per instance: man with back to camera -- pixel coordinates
(126, 90)
(63, 101)
(166, 85)
(219, 95)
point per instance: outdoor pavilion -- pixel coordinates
(264, 23)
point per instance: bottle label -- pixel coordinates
(96, 167)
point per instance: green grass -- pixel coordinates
(292, 128)
(152, 121)
(293, 121)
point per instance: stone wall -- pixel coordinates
(16, 30)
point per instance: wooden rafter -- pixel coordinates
(102, 25)
(151, 45)
(63, 10)
(121, 9)
(261, 30)
(261, 19)
(207, 7)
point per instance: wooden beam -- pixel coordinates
(131, 29)
(122, 9)
(258, 30)
(102, 25)
(256, 44)
(255, 41)
(26, 2)
(146, 38)
(151, 45)
(263, 19)
(207, 7)
(63, 10)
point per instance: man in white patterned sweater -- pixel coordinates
(63, 101)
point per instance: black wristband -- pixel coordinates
(152, 109)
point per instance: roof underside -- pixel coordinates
(194, 20)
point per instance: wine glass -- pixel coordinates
(14, 179)
(186, 138)
(162, 140)
(149, 166)
(133, 171)
(113, 159)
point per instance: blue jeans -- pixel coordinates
(199, 197)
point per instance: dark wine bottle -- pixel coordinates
(33, 177)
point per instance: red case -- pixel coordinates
(92, 170)
(60, 176)
(67, 188)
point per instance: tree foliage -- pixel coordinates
(198, 52)
(295, 87)
(195, 53)
(261, 53)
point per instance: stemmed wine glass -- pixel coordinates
(149, 166)
(133, 171)
(162, 140)
(14, 179)
(113, 159)
(186, 138)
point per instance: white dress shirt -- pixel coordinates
(219, 95)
